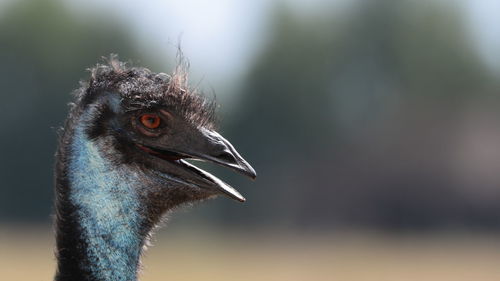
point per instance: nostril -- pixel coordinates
(225, 156)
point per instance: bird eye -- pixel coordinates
(151, 121)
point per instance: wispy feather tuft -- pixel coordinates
(142, 89)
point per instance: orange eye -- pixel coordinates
(151, 121)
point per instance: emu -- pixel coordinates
(120, 166)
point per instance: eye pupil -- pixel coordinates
(151, 121)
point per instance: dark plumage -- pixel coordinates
(120, 168)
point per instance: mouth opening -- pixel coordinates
(175, 158)
(163, 154)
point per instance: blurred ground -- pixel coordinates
(26, 254)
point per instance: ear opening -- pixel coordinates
(113, 100)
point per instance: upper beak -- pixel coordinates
(206, 145)
(219, 150)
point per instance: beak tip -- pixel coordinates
(250, 172)
(252, 175)
(238, 197)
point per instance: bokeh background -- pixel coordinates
(374, 127)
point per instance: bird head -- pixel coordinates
(149, 124)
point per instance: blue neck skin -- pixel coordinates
(108, 206)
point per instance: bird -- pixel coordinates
(120, 166)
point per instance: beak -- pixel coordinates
(220, 151)
(205, 145)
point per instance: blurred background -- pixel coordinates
(374, 127)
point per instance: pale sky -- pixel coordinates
(485, 23)
(220, 37)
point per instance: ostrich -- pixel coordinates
(120, 167)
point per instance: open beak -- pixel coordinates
(209, 146)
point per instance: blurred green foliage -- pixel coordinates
(350, 118)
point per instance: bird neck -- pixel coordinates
(100, 229)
